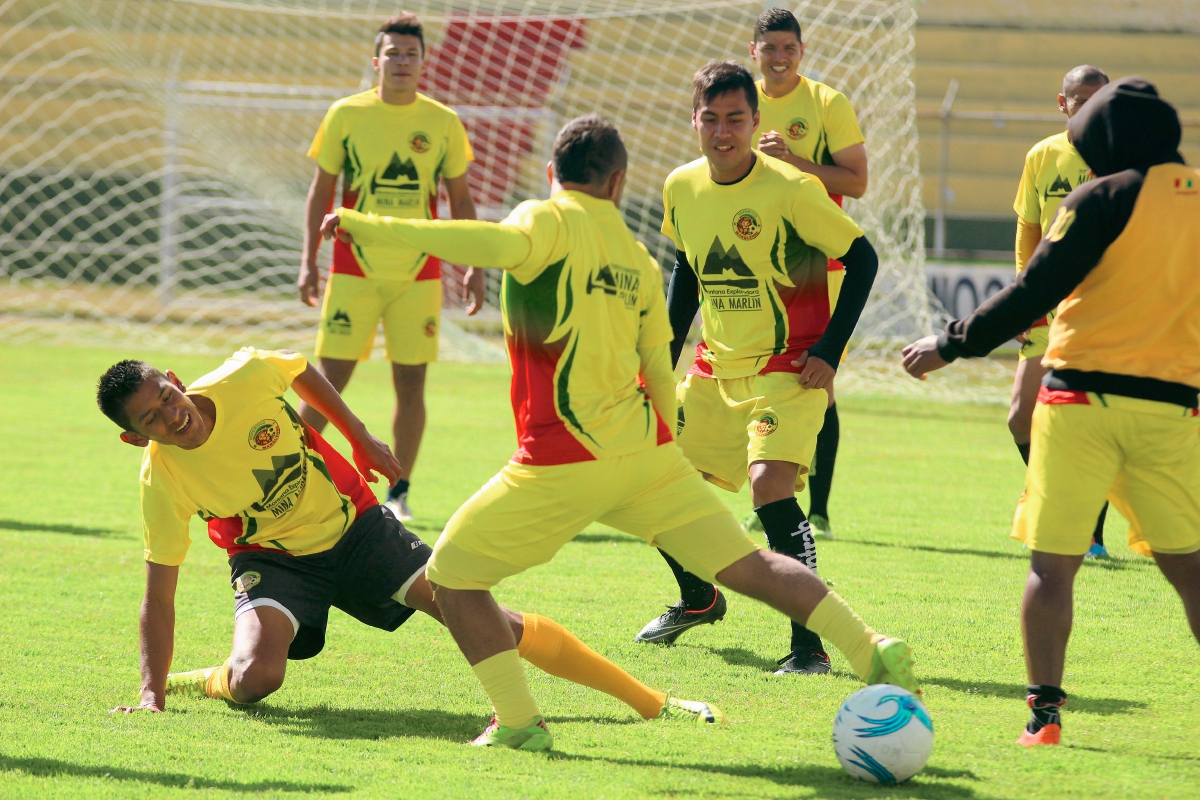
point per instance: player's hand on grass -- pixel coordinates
(815, 372)
(329, 229)
(474, 290)
(150, 705)
(371, 456)
(309, 284)
(922, 356)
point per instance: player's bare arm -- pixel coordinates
(370, 454)
(474, 286)
(157, 635)
(316, 205)
(846, 176)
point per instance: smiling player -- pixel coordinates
(391, 144)
(753, 236)
(302, 530)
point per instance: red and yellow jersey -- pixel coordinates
(815, 120)
(576, 313)
(391, 158)
(760, 249)
(262, 479)
(1053, 169)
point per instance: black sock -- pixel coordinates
(820, 480)
(696, 593)
(1024, 448)
(400, 488)
(1098, 534)
(788, 533)
(1046, 702)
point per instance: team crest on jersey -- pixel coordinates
(797, 129)
(767, 424)
(431, 327)
(246, 581)
(264, 435)
(746, 224)
(419, 142)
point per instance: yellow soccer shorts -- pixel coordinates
(725, 425)
(353, 306)
(1142, 455)
(525, 514)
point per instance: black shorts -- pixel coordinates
(359, 575)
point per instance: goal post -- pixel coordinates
(153, 151)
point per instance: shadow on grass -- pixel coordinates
(49, 527)
(741, 657)
(373, 723)
(600, 538)
(830, 781)
(54, 768)
(1023, 555)
(1104, 706)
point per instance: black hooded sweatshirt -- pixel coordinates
(1122, 131)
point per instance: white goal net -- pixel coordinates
(152, 167)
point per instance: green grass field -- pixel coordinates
(921, 506)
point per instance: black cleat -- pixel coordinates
(813, 663)
(667, 628)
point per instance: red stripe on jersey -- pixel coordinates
(542, 437)
(224, 533)
(432, 271)
(344, 262)
(807, 309)
(1041, 323)
(345, 476)
(1062, 397)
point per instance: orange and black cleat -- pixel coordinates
(1047, 734)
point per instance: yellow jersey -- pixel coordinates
(760, 249)
(1053, 169)
(577, 310)
(1137, 312)
(262, 480)
(391, 158)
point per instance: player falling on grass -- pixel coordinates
(1117, 412)
(302, 529)
(753, 236)
(812, 127)
(1053, 168)
(391, 145)
(589, 340)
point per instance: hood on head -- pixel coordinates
(1126, 125)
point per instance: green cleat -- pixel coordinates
(892, 663)
(820, 526)
(691, 711)
(535, 737)
(190, 684)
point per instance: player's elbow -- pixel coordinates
(856, 186)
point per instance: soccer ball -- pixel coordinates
(882, 734)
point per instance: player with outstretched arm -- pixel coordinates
(593, 389)
(1117, 413)
(302, 529)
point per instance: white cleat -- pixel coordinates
(399, 508)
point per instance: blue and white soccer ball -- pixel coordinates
(882, 734)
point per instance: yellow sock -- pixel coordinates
(553, 649)
(217, 684)
(503, 679)
(832, 619)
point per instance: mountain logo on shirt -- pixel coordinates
(264, 434)
(398, 185)
(280, 485)
(720, 261)
(419, 142)
(797, 128)
(613, 279)
(1060, 188)
(746, 224)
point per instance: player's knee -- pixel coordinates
(251, 680)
